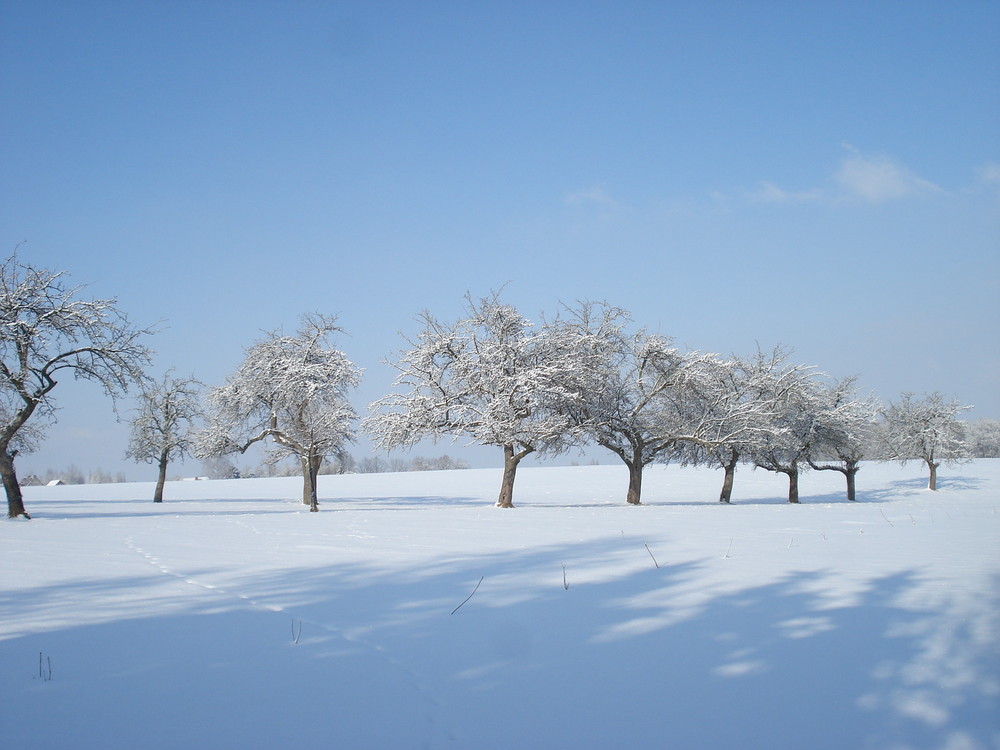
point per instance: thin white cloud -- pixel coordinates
(870, 178)
(595, 198)
(989, 178)
(768, 192)
(876, 179)
(989, 173)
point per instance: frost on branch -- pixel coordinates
(163, 423)
(792, 391)
(845, 431)
(292, 390)
(927, 429)
(648, 401)
(47, 331)
(491, 378)
(741, 404)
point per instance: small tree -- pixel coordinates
(293, 390)
(791, 393)
(490, 377)
(163, 423)
(983, 438)
(47, 331)
(927, 429)
(844, 431)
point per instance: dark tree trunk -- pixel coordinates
(15, 501)
(310, 477)
(932, 481)
(793, 483)
(727, 482)
(161, 478)
(634, 495)
(510, 462)
(851, 472)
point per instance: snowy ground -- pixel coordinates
(229, 617)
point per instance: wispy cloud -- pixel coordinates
(869, 178)
(768, 192)
(989, 173)
(596, 198)
(877, 179)
(989, 177)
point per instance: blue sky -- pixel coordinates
(822, 175)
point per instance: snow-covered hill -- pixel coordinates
(230, 617)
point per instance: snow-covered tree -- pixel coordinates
(741, 402)
(844, 432)
(293, 390)
(47, 331)
(983, 438)
(927, 429)
(791, 393)
(163, 424)
(490, 377)
(645, 399)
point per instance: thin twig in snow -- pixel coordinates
(42, 661)
(651, 554)
(469, 596)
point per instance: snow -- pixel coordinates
(231, 617)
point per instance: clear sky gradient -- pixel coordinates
(825, 175)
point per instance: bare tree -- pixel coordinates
(927, 429)
(844, 432)
(490, 377)
(163, 423)
(216, 467)
(646, 400)
(293, 390)
(983, 437)
(740, 401)
(47, 331)
(372, 465)
(791, 394)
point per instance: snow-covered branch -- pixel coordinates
(45, 330)
(292, 389)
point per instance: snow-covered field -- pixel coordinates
(230, 617)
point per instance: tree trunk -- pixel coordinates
(932, 481)
(161, 478)
(310, 477)
(727, 482)
(15, 501)
(851, 473)
(510, 462)
(793, 484)
(634, 496)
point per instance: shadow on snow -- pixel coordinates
(629, 660)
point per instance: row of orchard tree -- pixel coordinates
(492, 377)
(591, 376)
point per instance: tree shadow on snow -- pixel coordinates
(945, 482)
(557, 646)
